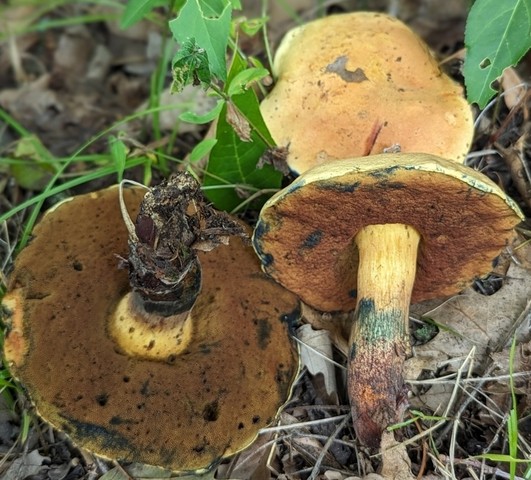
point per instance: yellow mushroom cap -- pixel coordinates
(355, 84)
(305, 233)
(182, 414)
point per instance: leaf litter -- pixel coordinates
(57, 84)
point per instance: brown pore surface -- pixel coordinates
(305, 236)
(355, 84)
(182, 414)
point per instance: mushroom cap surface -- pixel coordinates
(182, 414)
(355, 84)
(305, 233)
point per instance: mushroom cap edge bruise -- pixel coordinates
(185, 414)
(305, 233)
(350, 80)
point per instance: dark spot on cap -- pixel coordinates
(313, 239)
(339, 67)
(145, 390)
(260, 230)
(256, 419)
(78, 266)
(117, 420)
(107, 437)
(353, 293)
(102, 399)
(211, 412)
(339, 187)
(391, 185)
(263, 330)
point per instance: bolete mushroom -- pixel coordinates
(373, 234)
(357, 84)
(178, 391)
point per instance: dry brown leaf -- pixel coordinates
(28, 465)
(238, 122)
(316, 355)
(338, 325)
(471, 320)
(514, 88)
(395, 461)
(251, 463)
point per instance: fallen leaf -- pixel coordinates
(395, 461)
(514, 88)
(472, 320)
(26, 466)
(316, 355)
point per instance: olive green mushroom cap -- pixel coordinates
(183, 414)
(356, 84)
(305, 233)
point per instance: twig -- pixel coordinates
(293, 426)
(317, 467)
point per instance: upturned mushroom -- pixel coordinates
(357, 84)
(371, 235)
(143, 375)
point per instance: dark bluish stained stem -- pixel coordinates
(379, 341)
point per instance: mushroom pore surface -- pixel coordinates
(184, 413)
(305, 234)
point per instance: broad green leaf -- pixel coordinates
(497, 35)
(135, 10)
(233, 162)
(209, 33)
(191, 117)
(190, 66)
(212, 8)
(244, 79)
(202, 149)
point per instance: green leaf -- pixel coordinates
(191, 117)
(241, 82)
(202, 149)
(233, 162)
(253, 25)
(135, 10)
(34, 168)
(497, 35)
(190, 66)
(498, 457)
(209, 33)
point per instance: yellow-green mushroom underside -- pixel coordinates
(375, 234)
(178, 393)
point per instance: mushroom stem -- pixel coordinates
(379, 340)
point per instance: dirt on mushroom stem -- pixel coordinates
(174, 222)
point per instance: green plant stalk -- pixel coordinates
(513, 415)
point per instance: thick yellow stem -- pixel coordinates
(379, 340)
(148, 335)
